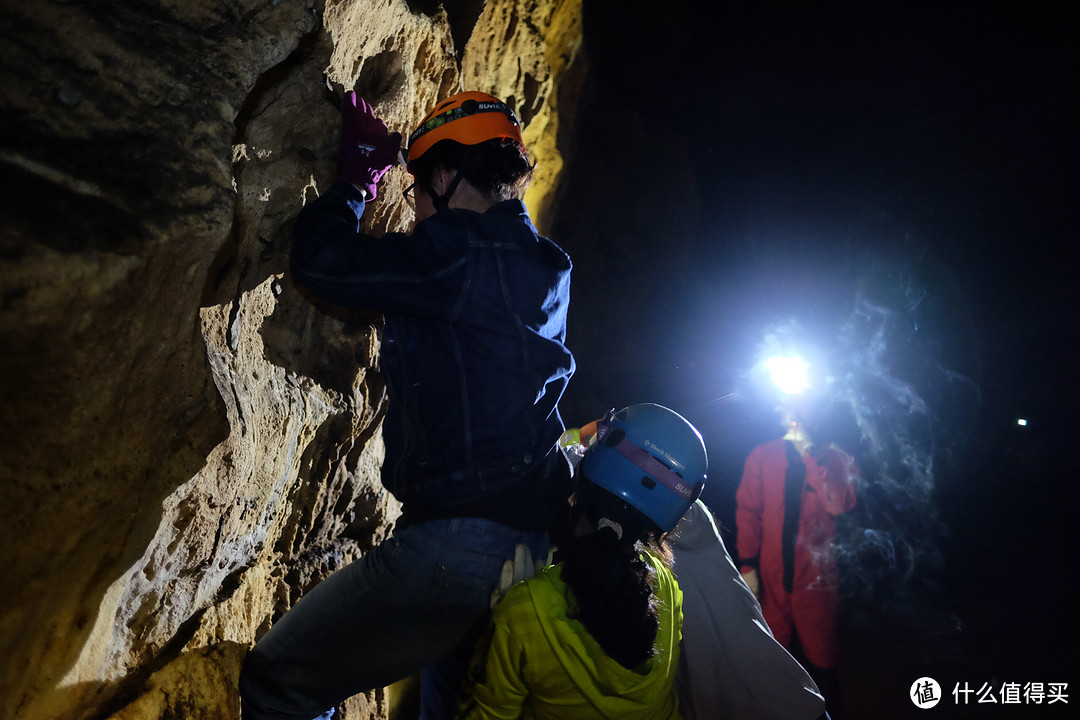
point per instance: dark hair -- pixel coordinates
(610, 582)
(499, 168)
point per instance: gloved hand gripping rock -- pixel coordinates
(367, 149)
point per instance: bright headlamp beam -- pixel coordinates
(788, 373)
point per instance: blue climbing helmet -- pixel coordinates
(652, 458)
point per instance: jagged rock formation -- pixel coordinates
(187, 443)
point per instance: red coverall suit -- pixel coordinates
(806, 599)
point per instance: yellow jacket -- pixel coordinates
(543, 665)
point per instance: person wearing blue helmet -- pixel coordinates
(650, 457)
(597, 634)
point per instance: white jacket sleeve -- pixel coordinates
(730, 667)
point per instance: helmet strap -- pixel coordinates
(617, 440)
(609, 523)
(441, 202)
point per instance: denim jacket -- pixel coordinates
(473, 349)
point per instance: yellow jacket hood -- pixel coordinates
(548, 666)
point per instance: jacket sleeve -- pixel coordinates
(423, 273)
(749, 505)
(502, 693)
(834, 481)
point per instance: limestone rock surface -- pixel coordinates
(188, 443)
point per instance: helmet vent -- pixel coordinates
(648, 482)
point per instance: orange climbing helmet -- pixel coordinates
(468, 118)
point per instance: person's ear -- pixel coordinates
(440, 179)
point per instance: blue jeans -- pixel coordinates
(407, 604)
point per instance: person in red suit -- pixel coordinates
(789, 494)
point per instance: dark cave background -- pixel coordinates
(894, 186)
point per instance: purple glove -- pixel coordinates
(367, 149)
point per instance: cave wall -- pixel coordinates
(187, 443)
